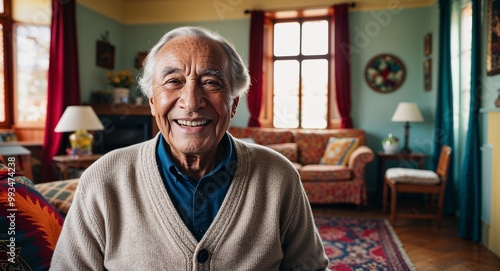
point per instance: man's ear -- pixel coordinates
(235, 106)
(152, 106)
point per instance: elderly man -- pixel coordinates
(193, 197)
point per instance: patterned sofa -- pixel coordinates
(323, 183)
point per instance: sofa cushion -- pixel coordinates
(312, 143)
(59, 193)
(31, 225)
(311, 147)
(338, 150)
(311, 173)
(289, 150)
(272, 136)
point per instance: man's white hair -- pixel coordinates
(240, 79)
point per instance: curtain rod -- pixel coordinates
(247, 11)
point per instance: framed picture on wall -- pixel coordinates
(428, 74)
(140, 59)
(493, 38)
(385, 73)
(105, 55)
(427, 44)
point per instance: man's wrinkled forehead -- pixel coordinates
(201, 46)
(211, 54)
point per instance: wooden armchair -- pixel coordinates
(407, 180)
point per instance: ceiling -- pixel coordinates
(361, 2)
(163, 11)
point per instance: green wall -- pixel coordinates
(91, 26)
(399, 32)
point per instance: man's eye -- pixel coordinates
(172, 83)
(211, 85)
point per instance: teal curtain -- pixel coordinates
(469, 222)
(443, 134)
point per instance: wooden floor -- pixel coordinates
(428, 246)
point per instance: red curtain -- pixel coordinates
(63, 79)
(256, 59)
(340, 19)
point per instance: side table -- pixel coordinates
(405, 160)
(14, 149)
(65, 162)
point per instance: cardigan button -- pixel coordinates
(202, 256)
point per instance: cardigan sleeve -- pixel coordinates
(302, 245)
(80, 244)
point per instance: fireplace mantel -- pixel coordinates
(124, 110)
(124, 125)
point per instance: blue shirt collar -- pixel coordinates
(166, 162)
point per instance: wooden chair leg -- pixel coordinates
(384, 197)
(439, 214)
(393, 205)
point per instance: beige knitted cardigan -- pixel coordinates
(123, 219)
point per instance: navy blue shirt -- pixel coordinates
(197, 202)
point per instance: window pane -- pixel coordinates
(286, 77)
(2, 76)
(465, 58)
(286, 90)
(2, 9)
(313, 111)
(314, 93)
(315, 77)
(32, 11)
(286, 39)
(315, 38)
(286, 111)
(32, 62)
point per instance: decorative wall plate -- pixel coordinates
(385, 73)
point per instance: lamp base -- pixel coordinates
(405, 149)
(81, 142)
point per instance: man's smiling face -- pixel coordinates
(191, 99)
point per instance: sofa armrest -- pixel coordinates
(361, 156)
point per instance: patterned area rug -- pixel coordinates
(361, 244)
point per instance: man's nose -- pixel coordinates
(192, 97)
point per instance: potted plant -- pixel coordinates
(390, 144)
(121, 81)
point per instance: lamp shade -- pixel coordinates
(407, 112)
(78, 117)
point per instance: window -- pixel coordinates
(299, 60)
(31, 66)
(461, 46)
(24, 58)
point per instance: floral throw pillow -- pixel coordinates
(338, 150)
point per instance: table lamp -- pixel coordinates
(407, 112)
(79, 119)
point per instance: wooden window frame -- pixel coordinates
(6, 21)
(267, 112)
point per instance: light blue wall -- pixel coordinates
(90, 27)
(400, 33)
